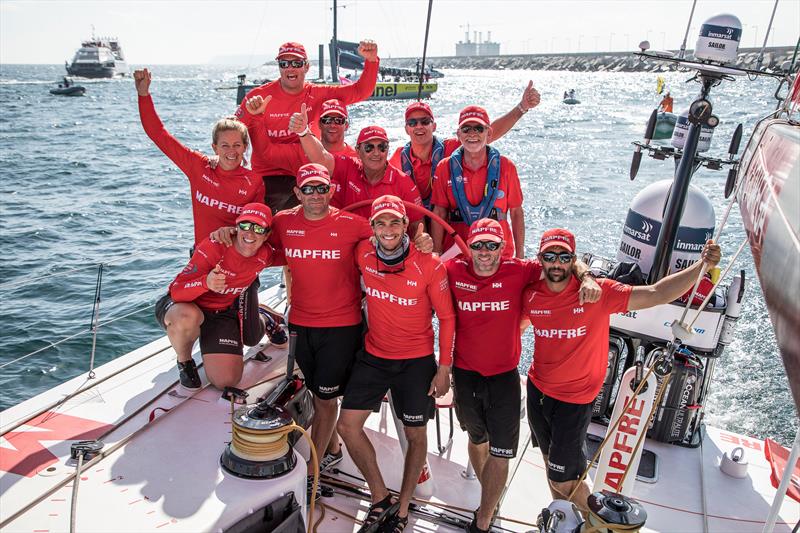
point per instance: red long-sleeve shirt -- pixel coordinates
(399, 306)
(274, 126)
(191, 284)
(217, 195)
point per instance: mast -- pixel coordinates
(335, 48)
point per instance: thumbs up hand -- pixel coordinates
(298, 122)
(422, 241)
(216, 280)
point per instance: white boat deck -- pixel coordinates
(162, 470)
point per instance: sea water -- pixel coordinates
(82, 185)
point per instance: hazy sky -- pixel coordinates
(182, 32)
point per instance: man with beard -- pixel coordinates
(487, 290)
(571, 352)
(403, 287)
(333, 123)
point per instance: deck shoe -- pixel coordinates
(273, 325)
(473, 526)
(187, 370)
(330, 459)
(310, 487)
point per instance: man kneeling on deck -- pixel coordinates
(402, 286)
(212, 298)
(487, 290)
(571, 353)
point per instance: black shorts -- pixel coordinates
(408, 379)
(488, 409)
(326, 357)
(280, 192)
(560, 428)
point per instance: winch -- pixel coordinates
(611, 512)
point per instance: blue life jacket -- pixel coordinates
(437, 154)
(465, 211)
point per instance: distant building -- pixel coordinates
(477, 47)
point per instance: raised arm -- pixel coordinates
(530, 99)
(365, 85)
(673, 286)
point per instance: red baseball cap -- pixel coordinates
(372, 132)
(292, 50)
(419, 106)
(313, 172)
(485, 229)
(333, 107)
(255, 212)
(473, 113)
(387, 204)
(557, 237)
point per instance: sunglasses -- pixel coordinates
(311, 189)
(469, 129)
(252, 226)
(293, 63)
(370, 147)
(550, 257)
(339, 121)
(412, 122)
(489, 245)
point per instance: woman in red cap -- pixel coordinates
(204, 301)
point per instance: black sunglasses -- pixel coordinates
(294, 63)
(333, 120)
(311, 189)
(466, 128)
(370, 147)
(252, 226)
(412, 122)
(489, 245)
(550, 257)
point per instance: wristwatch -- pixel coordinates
(304, 132)
(587, 273)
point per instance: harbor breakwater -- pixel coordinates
(774, 58)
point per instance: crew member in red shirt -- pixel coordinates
(420, 156)
(477, 182)
(487, 292)
(403, 286)
(206, 300)
(287, 94)
(218, 193)
(333, 123)
(571, 352)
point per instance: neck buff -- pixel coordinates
(395, 256)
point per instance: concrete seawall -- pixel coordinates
(774, 57)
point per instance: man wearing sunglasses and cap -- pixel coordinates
(207, 300)
(571, 352)
(477, 182)
(420, 156)
(285, 96)
(364, 178)
(487, 291)
(403, 286)
(333, 123)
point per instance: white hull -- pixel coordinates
(167, 476)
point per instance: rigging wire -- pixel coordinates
(421, 72)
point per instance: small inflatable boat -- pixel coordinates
(72, 90)
(571, 101)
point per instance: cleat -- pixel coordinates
(273, 326)
(189, 377)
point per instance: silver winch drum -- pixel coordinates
(615, 509)
(719, 39)
(681, 130)
(643, 224)
(258, 450)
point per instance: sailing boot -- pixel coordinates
(189, 377)
(273, 326)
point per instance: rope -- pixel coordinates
(424, 51)
(74, 501)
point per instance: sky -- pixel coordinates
(203, 31)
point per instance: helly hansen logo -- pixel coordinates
(466, 286)
(334, 234)
(577, 310)
(411, 283)
(503, 305)
(497, 285)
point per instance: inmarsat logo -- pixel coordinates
(646, 226)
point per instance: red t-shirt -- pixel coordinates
(190, 285)
(273, 127)
(422, 168)
(351, 186)
(217, 195)
(571, 340)
(510, 195)
(399, 306)
(488, 311)
(321, 255)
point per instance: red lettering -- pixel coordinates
(622, 446)
(753, 445)
(632, 410)
(27, 455)
(727, 437)
(628, 424)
